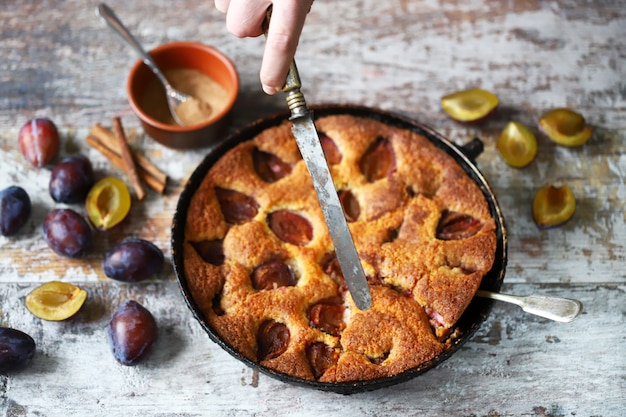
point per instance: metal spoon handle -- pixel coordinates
(554, 308)
(109, 17)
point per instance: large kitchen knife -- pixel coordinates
(310, 147)
(312, 153)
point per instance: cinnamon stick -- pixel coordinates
(154, 183)
(103, 140)
(105, 136)
(131, 169)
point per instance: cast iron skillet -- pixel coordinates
(469, 322)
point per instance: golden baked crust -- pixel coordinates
(259, 261)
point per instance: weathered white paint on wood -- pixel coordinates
(60, 62)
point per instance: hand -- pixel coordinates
(244, 18)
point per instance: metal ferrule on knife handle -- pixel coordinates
(295, 98)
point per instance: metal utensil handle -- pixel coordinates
(559, 309)
(109, 17)
(554, 308)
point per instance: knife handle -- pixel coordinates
(295, 98)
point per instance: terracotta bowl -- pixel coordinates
(182, 55)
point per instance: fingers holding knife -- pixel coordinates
(244, 18)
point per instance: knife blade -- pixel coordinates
(310, 147)
(307, 139)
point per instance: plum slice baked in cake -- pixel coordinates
(260, 264)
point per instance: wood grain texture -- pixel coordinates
(60, 62)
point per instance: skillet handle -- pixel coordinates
(472, 149)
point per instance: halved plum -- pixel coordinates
(469, 105)
(269, 166)
(457, 226)
(290, 227)
(350, 205)
(55, 300)
(379, 160)
(211, 251)
(272, 340)
(321, 357)
(108, 203)
(330, 266)
(237, 207)
(327, 316)
(272, 275)
(565, 127)
(553, 205)
(331, 151)
(517, 145)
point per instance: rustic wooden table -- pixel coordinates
(60, 62)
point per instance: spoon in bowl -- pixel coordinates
(174, 97)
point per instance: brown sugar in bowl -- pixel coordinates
(147, 97)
